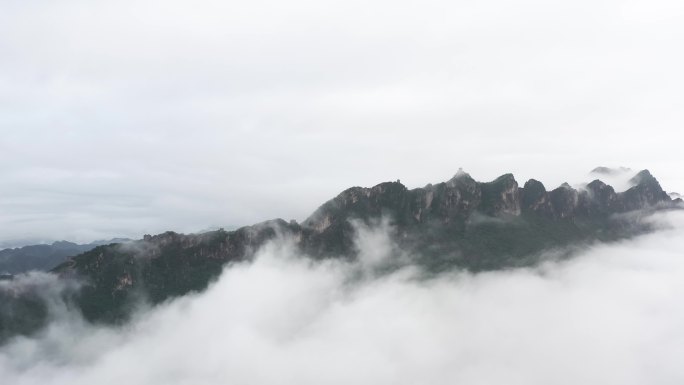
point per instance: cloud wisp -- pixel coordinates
(611, 315)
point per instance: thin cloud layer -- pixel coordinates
(609, 316)
(620, 178)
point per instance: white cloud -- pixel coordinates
(610, 315)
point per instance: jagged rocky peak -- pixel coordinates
(535, 198)
(461, 179)
(353, 195)
(644, 177)
(601, 192)
(458, 196)
(598, 197)
(357, 202)
(535, 185)
(597, 185)
(533, 191)
(388, 187)
(645, 192)
(455, 200)
(564, 200)
(460, 174)
(501, 196)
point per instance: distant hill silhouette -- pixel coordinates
(43, 257)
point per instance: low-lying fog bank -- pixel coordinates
(611, 315)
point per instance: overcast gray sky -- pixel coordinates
(131, 117)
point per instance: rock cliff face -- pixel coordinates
(462, 196)
(460, 223)
(480, 226)
(646, 192)
(535, 199)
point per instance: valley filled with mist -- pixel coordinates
(610, 314)
(341, 192)
(357, 294)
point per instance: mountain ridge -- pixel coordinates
(460, 223)
(44, 256)
(445, 224)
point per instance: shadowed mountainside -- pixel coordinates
(43, 257)
(460, 223)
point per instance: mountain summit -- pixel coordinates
(460, 223)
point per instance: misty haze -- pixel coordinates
(376, 192)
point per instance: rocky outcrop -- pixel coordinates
(646, 191)
(461, 196)
(460, 223)
(564, 201)
(534, 199)
(501, 196)
(482, 221)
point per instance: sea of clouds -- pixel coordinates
(611, 315)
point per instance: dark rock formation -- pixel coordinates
(468, 224)
(460, 223)
(535, 199)
(501, 196)
(646, 192)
